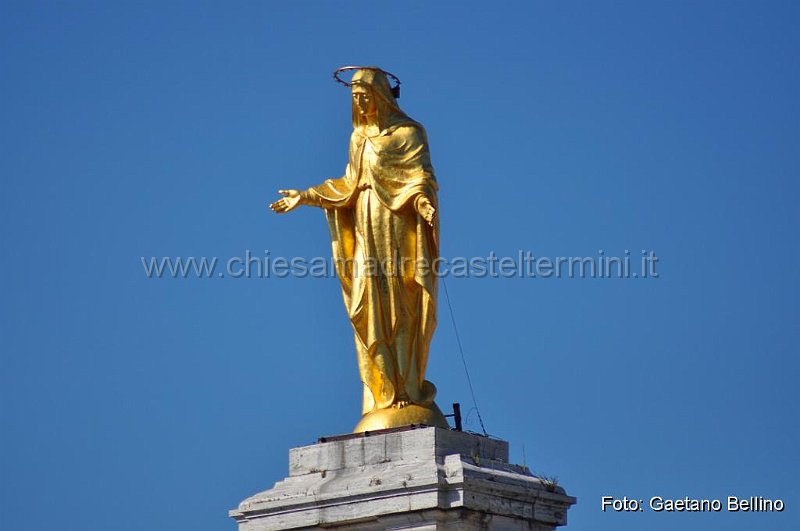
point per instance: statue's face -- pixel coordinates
(363, 101)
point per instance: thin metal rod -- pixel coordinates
(463, 358)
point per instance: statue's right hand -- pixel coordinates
(290, 201)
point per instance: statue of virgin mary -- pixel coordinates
(382, 216)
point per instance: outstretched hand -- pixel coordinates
(426, 210)
(290, 201)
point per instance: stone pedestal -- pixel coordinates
(413, 478)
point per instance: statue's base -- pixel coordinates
(393, 417)
(413, 478)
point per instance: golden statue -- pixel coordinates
(382, 216)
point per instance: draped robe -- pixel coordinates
(385, 253)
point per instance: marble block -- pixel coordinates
(412, 478)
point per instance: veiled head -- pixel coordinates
(372, 96)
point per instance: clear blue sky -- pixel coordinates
(163, 129)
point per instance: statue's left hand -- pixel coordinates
(290, 201)
(426, 210)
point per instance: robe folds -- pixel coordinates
(385, 253)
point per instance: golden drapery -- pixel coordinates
(385, 250)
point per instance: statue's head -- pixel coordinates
(374, 99)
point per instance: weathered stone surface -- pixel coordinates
(416, 478)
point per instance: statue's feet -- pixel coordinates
(402, 413)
